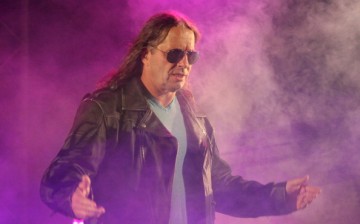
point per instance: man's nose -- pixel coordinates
(184, 62)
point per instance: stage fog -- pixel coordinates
(279, 81)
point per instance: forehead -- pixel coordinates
(180, 36)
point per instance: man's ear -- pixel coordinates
(145, 55)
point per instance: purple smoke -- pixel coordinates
(278, 79)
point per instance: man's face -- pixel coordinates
(160, 76)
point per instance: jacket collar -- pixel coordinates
(134, 98)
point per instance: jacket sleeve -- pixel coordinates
(81, 155)
(243, 198)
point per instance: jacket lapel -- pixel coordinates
(134, 99)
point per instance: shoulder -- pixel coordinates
(108, 100)
(186, 97)
(105, 94)
(187, 94)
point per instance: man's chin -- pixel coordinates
(177, 86)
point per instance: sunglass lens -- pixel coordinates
(175, 55)
(193, 56)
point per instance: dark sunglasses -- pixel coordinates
(176, 55)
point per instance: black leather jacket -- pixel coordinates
(130, 156)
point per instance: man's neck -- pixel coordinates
(162, 98)
(165, 99)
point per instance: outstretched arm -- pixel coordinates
(81, 155)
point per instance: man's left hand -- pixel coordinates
(301, 193)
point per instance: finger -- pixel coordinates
(85, 185)
(309, 198)
(311, 195)
(79, 200)
(90, 213)
(303, 200)
(85, 208)
(294, 186)
(300, 201)
(100, 211)
(302, 190)
(312, 192)
(302, 181)
(82, 206)
(313, 189)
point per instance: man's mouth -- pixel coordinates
(178, 75)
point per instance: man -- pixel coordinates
(140, 152)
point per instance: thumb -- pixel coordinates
(84, 185)
(295, 185)
(303, 180)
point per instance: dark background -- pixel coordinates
(278, 79)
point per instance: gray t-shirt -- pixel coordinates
(172, 118)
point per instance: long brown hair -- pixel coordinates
(153, 33)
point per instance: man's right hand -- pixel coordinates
(82, 206)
